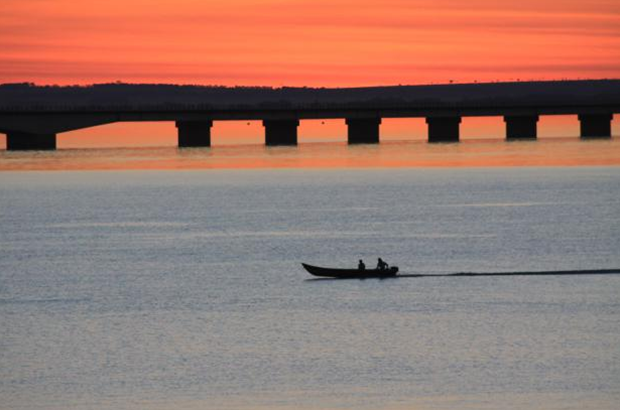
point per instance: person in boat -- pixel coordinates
(381, 265)
(361, 265)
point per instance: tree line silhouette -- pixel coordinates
(137, 95)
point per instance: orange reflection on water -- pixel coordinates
(388, 154)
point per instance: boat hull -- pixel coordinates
(350, 273)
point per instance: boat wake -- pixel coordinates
(524, 273)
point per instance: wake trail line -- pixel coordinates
(532, 273)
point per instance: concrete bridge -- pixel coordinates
(31, 126)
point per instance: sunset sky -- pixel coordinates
(306, 43)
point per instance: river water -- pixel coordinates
(183, 289)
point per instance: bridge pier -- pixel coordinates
(443, 129)
(519, 127)
(280, 132)
(22, 141)
(595, 125)
(363, 130)
(194, 133)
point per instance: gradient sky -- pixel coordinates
(307, 42)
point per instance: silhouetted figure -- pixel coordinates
(361, 265)
(381, 265)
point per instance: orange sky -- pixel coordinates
(307, 42)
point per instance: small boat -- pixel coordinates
(351, 273)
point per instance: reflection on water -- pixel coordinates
(389, 154)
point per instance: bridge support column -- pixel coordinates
(595, 125)
(280, 132)
(363, 130)
(519, 127)
(443, 129)
(21, 141)
(194, 133)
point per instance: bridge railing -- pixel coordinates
(285, 106)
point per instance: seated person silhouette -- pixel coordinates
(361, 265)
(381, 265)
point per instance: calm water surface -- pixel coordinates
(183, 289)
